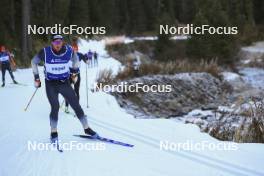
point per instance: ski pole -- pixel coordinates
(62, 103)
(87, 86)
(31, 99)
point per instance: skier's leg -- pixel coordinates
(66, 102)
(68, 93)
(53, 97)
(90, 62)
(66, 106)
(11, 73)
(77, 86)
(3, 74)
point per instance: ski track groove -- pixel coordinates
(193, 156)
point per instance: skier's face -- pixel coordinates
(3, 49)
(57, 44)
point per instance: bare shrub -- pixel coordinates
(105, 77)
(179, 66)
(162, 68)
(253, 131)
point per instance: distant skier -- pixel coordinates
(56, 60)
(136, 65)
(95, 55)
(76, 79)
(75, 47)
(5, 60)
(89, 56)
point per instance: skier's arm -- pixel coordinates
(11, 56)
(35, 61)
(75, 62)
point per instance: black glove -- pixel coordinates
(74, 78)
(37, 83)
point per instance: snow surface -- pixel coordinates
(253, 76)
(230, 76)
(258, 47)
(17, 127)
(151, 38)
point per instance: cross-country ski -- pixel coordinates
(103, 139)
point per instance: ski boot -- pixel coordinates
(91, 133)
(67, 110)
(3, 85)
(55, 141)
(14, 81)
(54, 137)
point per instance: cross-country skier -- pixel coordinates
(76, 79)
(56, 60)
(95, 55)
(75, 46)
(5, 60)
(89, 56)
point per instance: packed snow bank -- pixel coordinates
(108, 119)
(253, 54)
(124, 39)
(230, 76)
(257, 47)
(253, 76)
(151, 38)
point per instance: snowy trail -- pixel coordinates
(199, 158)
(105, 116)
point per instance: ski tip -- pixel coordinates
(76, 135)
(82, 136)
(130, 145)
(59, 150)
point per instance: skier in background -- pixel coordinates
(76, 78)
(75, 44)
(57, 58)
(95, 55)
(89, 56)
(136, 64)
(5, 60)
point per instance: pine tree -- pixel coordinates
(79, 13)
(210, 46)
(137, 17)
(258, 11)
